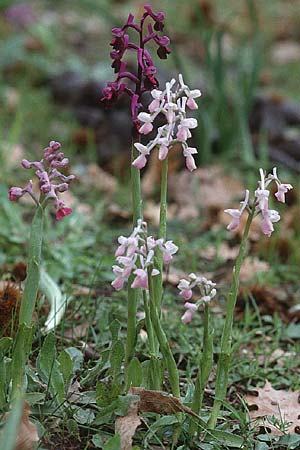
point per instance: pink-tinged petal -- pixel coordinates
(191, 306)
(146, 128)
(282, 190)
(163, 152)
(141, 279)
(190, 163)
(191, 104)
(63, 212)
(140, 162)
(189, 123)
(120, 250)
(234, 224)
(191, 309)
(182, 133)
(267, 226)
(118, 283)
(154, 105)
(14, 193)
(186, 294)
(187, 316)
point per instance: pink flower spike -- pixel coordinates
(282, 190)
(63, 212)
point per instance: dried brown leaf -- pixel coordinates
(284, 405)
(159, 402)
(125, 426)
(97, 178)
(150, 401)
(27, 433)
(209, 188)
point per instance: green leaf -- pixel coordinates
(102, 394)
(116, 358)
(66, 367)
(77, 357)
(20, 355)
(49, 369)
(134, 373)
(84, 416)
(290, 440)
(34, 398)
(229, 439)
(160, 423)
(114, 443)
(293, 331)
(114, 328)
(5, 344)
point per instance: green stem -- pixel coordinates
(205, 367)
(24, 336)
(133, 293)
(149, 327)
(33, 268)
(163, 200)
(162, 339)
(225, 354)
(162, 233)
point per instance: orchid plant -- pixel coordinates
(140, 257)
(51, 183)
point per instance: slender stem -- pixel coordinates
(205, 366)
(163, 199)
(225, 354)
(23, 339)
(33, 268)
(162, 339)
(149, 327)
(162, 233)
(133, 293)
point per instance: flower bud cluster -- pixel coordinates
(136, 254)
(172, 104)
(144, 77)
(47, 171)
(206, 289)
(262, 193)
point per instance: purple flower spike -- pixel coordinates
(144, 77)
(46, 173)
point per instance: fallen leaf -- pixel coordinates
(159, 402)
(251, 267)
(94, 176)
(209, 188)
(125, 426)
(27, 433)
(284, 405)
(149, 401)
